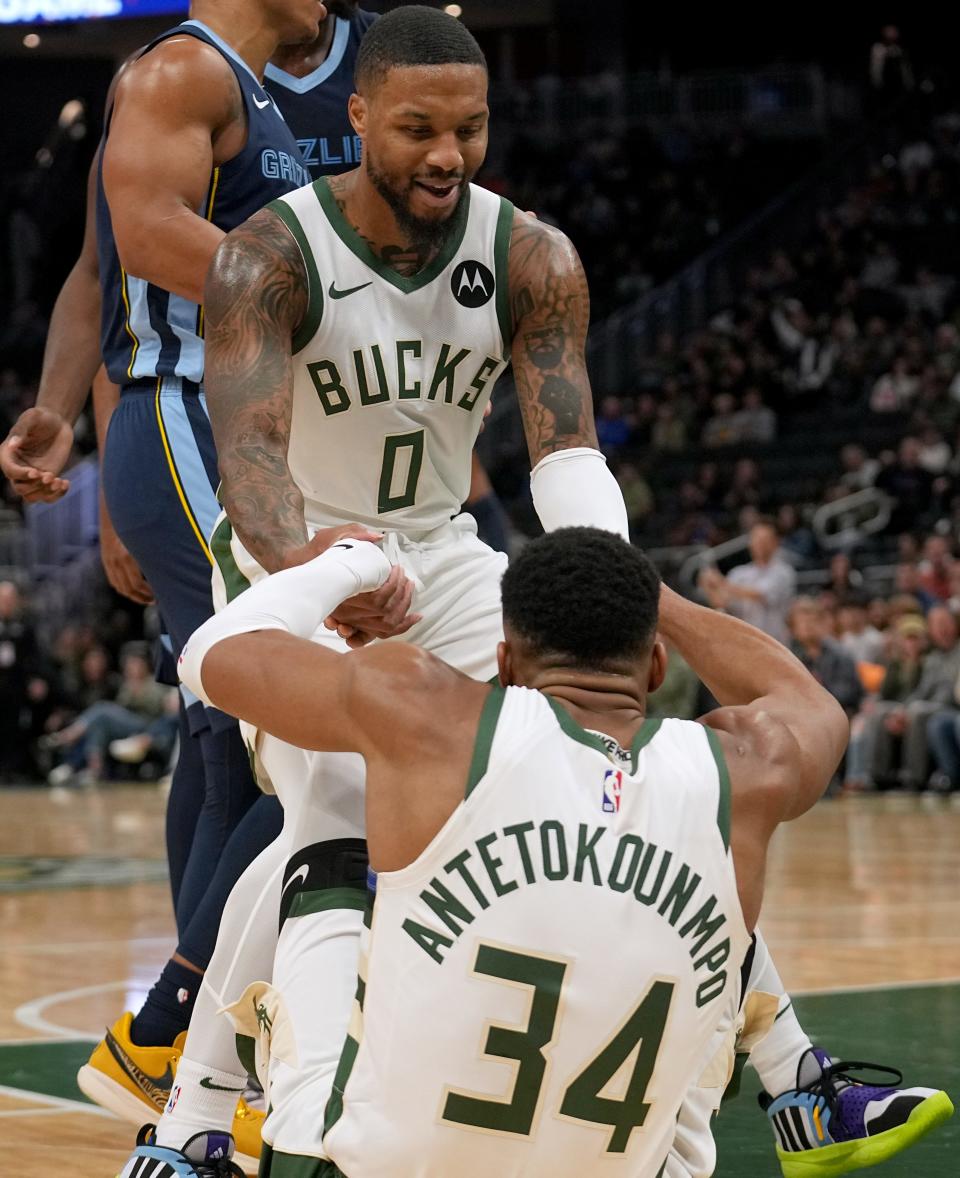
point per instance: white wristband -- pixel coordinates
(296, 600)
(574, 488)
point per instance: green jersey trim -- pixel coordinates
(484, 741)
(311, 320)
(294, 1165)
(645, 733)
(233, 580)
(307, 903)
(355, 243)
(723, 775)
(501, 263)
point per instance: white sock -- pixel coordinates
(777, 1056)
(246, 943)
(202, 1099)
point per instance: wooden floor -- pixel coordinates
(862, 894)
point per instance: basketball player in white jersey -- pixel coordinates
(564, 889)
(354, 331)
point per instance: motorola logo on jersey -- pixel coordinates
(472, 284)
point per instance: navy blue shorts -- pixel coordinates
(160, 478)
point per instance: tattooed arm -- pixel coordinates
(550, 307)
(256, 295)
(570, 482)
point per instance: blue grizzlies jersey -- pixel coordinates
(315, 106)
(147, 332)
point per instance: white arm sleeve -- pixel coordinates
(574, 488)
(296, 600)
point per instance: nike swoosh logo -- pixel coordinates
(155, 1088)
(301, 873)
(206, 1082)
(260, 105)
(342, 294)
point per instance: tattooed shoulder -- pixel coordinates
(257, 267)
(543, 260)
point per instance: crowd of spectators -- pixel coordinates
(890, 657)
(74, 709)
(853, 334)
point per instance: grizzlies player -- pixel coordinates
(219, 150)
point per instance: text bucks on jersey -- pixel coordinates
(392, 375)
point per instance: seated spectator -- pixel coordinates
(157, 741)
(906, 723)
(756, 422)
(845, 580)
(823, 657)
(943, 737)
(933, 571)
(669, 433)
(84, 742)
(862, 642)
(745, 489)
(878, 613)
(722, 429)
(759, 592)
(637, 494)
(795, 536)
(909, 485)
(906, 581)
(905, 666)
(613, 431)
(895, 390)
(935, 452)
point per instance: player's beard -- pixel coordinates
(347, 9)
(425, 233)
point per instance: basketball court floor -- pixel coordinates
(862, 915)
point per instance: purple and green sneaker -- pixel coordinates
(831, 1124)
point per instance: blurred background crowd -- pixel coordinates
(775, 356)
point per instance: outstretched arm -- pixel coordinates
(256, 295)
(550, 307)
(255, 660)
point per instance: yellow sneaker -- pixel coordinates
(247, 1126)
(132, 1082)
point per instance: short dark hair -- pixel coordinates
(414, 35)
(582, 593)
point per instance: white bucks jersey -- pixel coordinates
(538, 989)
(392, 374)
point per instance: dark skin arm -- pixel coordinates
(40, 442)
(380, 702)
(256, 295)
(184, 96)
(550, 307)
(782, 734)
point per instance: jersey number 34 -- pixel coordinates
(581, 1100)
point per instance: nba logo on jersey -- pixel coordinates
(612, 788)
